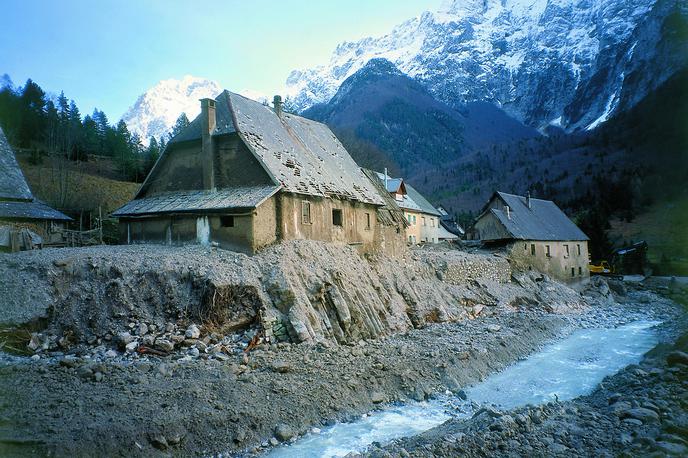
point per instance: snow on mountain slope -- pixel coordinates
(533, 58)
(156, 110)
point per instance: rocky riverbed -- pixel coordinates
(153, 381)
(640, 411)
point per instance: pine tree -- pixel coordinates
(181, 124)
(32, 115)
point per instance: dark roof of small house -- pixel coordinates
(16, 199)
(542, 221)
(237, 199)
(12, 182)
(390, 214)
(301, 155)
(14, 209)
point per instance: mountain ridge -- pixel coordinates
(544, 62)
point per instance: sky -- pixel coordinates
(106, 53)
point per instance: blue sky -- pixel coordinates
(105, 53)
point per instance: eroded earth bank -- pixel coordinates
(144, 351)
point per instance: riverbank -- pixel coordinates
(640, 411)
(107, 392)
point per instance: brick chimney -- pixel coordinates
(207, 153)
(277, 102)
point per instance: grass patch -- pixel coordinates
(663, 227)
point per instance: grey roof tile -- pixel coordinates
(198, 201)
(30, 210)
(12, 182)
(542, 221)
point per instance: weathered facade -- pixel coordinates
(423, 219)
(242, 176)
(19, 209)
(537, 234)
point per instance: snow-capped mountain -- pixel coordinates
(569, 63)
(156, 110)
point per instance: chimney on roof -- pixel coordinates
(277, 103)
(508, 211)
(528, 199)
(208, 121)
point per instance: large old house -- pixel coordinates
(24, 220)
(242, 176)
(423, 219)
(537, 234)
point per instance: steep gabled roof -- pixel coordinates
(13, 185)
(304, 156)
(412, 200)
(16, 199)
(543, 220)
(300, 155)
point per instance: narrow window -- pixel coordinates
(549, 253)
(227, 221)
(532, 249)
(414, 220)
(367, 221)
(525, 247)
(580, 271)
(410, 239)
(573, 272)
(337, 217)
(424, 222)
(566, 248)
(579, 249)
(432, 222)
(306, 212)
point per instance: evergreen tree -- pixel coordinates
(181, 124)
(32, 115)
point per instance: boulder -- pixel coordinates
(283, 432)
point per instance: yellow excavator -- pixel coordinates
(602, 268)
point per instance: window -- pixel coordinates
(410, 239)
(548, 252)
(580, 271)
(367, 221)
(579, 249)
(227, 221)
(573, 271)
(525, 247)
(306, 212)
(337, 217)
(414, 220)
(424, 222)
(432, 222)
(532, 249)
(566, 251)
(399, 197)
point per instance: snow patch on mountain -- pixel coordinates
(156, 110)
(527, 56)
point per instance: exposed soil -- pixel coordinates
(95, 392)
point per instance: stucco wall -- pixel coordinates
(489, 228)
(353, 230)
(235, 165)
(558, 264)
(424, 228)
(265, 224)
(180, 170)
